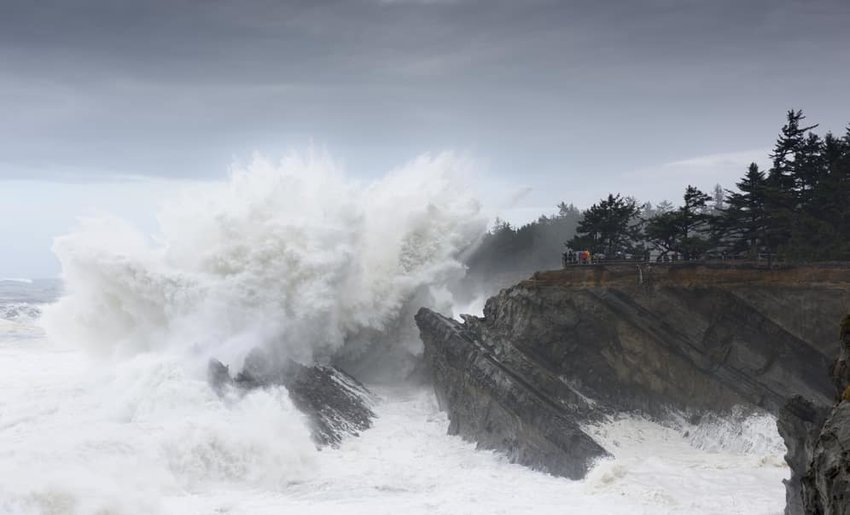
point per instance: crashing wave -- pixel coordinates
(293, 256)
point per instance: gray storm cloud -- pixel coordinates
(540, 88)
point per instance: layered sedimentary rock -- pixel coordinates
(504, 401)
(336, 404)
(567, 345)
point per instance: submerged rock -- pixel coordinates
(554, 352)
(336, 404)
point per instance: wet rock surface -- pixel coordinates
(826, 485)
(566, 346)
(504, 402)
(336, 404)
(819, 447)
(799, 423)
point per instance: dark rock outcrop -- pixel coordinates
(567, 345)
(826, 485)
(504, 402)
(799, 423)
(815, 440)
(841, 368)
(336, 404)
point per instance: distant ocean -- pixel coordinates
(21, 300)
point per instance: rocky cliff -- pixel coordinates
(558, 349)
(826, 484)
(799, 423)
(503, 400)
(821, 464)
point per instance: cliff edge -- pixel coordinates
(557, 350)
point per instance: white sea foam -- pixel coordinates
(691, 468)
(146, 438)
(302, 260)
(78, 437)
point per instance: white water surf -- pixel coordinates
(109, 411)
(145, 438)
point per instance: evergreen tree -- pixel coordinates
(686, 230)
(662, 231)
(568, 211)
(792, 139)
(744, 220)
(831, 199)
(695, 222)
(664, 206)
(785, 183)
(610, 227)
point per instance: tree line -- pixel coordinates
(538, 245)
(798, 209)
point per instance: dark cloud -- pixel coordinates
(549, 90)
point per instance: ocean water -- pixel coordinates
(105, 409)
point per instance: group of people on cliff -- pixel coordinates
(585, 257)
(582, 257)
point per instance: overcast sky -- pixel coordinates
(564, 100)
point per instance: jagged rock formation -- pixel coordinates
(565, 345)
(504, 401)
(826, 485)
(799, 423)
(336, 403)
(818, 441)
(841, 368)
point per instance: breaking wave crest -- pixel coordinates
(293, 256)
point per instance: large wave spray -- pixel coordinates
(292, 256)
(297, 258)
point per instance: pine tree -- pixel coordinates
(831, 199)
(785, 183)
(686, 230)
(609, 227)
(744, 220)
(567, 210)
(663, 231)
(695, 222)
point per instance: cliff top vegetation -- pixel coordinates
(797, 210)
